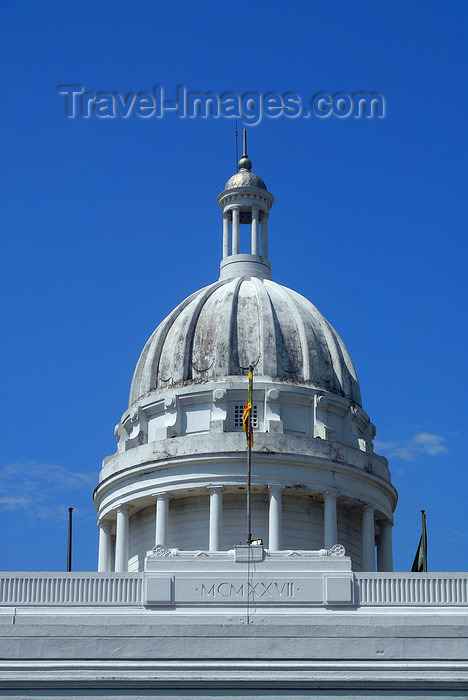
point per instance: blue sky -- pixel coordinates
(109, 223)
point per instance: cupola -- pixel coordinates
(245, 202)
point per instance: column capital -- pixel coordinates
(215, 487)
(275, 487)
(162, 496)
(126, 507)
(330, 495)
(105, 523)
(385, 523)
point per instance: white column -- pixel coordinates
(275, 519)
(112, 567)
(255, 217)
(329, 520)
(216, 517)
(226, 234)
(235, 231)
(105, 546)
(121, 541)
(162, 518)
(264, 241)
(385, 547)
(368, 539)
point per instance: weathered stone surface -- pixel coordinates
(222, 329)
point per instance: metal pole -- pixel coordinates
(249, 471)
(69, 548)
(424, 542)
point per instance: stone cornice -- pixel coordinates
(183, 463)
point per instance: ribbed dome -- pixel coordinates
(221, 329)
(245, 178)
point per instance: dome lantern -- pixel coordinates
(245, 200)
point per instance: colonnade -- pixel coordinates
(330, 528)
(231, 232)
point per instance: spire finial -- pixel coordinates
(245, 163)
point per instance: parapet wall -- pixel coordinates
(128, 590)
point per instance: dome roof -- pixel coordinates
(245, 178)
(218, 331)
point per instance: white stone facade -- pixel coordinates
(201, 624)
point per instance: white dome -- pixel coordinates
(245, 178)
(218, 331)
(178, 477)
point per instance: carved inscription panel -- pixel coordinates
(255, 590)
(235, 590)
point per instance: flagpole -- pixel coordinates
(249, 471)
(69, 547)
(424, 539)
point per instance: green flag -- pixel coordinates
(420, 560)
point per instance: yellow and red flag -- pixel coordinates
(247, 411)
